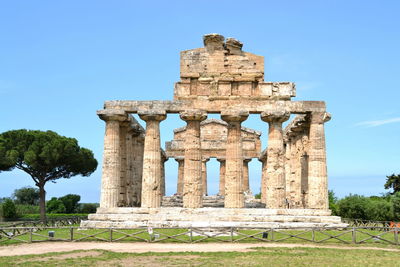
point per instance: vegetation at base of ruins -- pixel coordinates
(45, 156)
(393, 182)
(374, 208)
(298, 256)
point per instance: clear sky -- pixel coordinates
(60, 60)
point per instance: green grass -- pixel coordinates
(141, 235)
(258, 257)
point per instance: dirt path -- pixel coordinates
(40, 248)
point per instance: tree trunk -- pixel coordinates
(42, 202)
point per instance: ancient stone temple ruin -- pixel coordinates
(219, 78)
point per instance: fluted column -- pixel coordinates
(192, 187)
(179, 187)
(204, 175)
(123, 132)
(163, 160)
(275, 180)
(234, 197)
(246, 182)
(129, 167)
(111, 170)
(221, 177)
(263, 159)
(138, 152)
(151, 185)
(317, 171)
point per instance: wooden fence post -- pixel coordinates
(111, 235)
(30, 235)
(313, 235)
(353, 236)
(396, 235)
(71, 231)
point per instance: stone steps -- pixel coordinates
(211, 217)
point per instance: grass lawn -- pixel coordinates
(258, 257)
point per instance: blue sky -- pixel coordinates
(60, 60)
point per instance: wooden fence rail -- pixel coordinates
(349, 235)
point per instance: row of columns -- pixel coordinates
(117, 192)
(221, 192)
(122, 162)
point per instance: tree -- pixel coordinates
(70, 202)
(393, 182)
(26, 195)
(55, 205)
(45, 156)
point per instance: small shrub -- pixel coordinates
(8, 209)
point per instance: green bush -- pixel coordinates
(35, 217)
(26, 209)
(8, 210)
(395, 200)
(54, 205)
(88, 208)
(353, 207)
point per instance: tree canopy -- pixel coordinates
(45, 156)
(26, 195)
(393, 181)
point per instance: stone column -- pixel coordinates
(263, 159)
(123, 133)
(111, 170)
(221, 177)
(317, 171)
(163, 160)
(192, 187)
(129, 167)
(181, 165)
(275, 180)
(138, 151)
(246, 182)
(151, 185)
(234, 197)
(204, 175)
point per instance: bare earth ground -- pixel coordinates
(46, 247)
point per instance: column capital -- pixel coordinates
(152, 115)
(205, 159)
(275, 115)
(112, 115)
(320, 117)
(247, 160)
(221, 159)
(193, 115)
(234, 115)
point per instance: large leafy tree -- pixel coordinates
(26, 195)
(45, 156)
(393, 181)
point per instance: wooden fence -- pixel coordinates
(349, 235)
